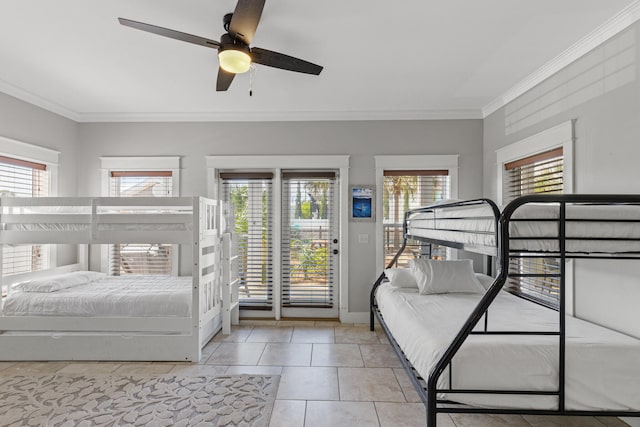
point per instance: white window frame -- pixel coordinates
(561, 135)
(404, 162)
(34, 153)
(119, 164)
(276, 164)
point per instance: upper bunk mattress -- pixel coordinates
(588, 228)
(121, 296)
(602, 366)
(469, 225)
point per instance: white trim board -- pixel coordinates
(615, 25)
(26, 151)
(557, 136)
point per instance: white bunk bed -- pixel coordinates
(147, 318)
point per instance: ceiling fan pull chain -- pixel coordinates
(252, 72)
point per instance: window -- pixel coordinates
(404, 190)
(138, 258)
(21, 178)
(538, 174)
(252, 197)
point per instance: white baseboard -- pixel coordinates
(354, 317)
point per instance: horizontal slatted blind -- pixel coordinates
(251, 195)
(404, 190)
(538, 174)
(307, 230)
(136, 258)
(21, 178)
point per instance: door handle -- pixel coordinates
(335, 252)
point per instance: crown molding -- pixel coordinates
(608, 29)
(281, 116)
(38, 101)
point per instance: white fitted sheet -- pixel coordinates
(576, 229)
(602, 366)
(124, 296)
(475, 225)
(474, 231)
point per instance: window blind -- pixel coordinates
(136, 258)
(538, 174)
(21, 178)
(307, 231)
(410, 189)
(251, 195)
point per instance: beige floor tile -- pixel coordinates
(614, 422)
(557, 421)
(288, 413)
(407, 415)
(25, 368)
(209, 349)
(270, 334)
(89, 368)
(342, 355)
(286, 354)
(144, 369)
(339, 414)
(328, 323)
(369, 384)
(258, 322)
(355, 335)
(379, 356)
(5, 365)
(195, 369)
(410, 393)
(313, 335)
(238, 334)
(237, 353)
(304, 323)
(474, 420)
(302, 383)
(254, 370)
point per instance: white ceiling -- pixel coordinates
(382, 59)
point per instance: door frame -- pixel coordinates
(276, 164)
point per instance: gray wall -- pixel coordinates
(25, 122)
(601, 92)
(360, 140)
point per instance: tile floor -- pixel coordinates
(332, 375)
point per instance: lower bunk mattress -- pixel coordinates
(602, 366)
(112, 296)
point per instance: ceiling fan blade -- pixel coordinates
(285, 62)
(224, 80)
(172, 34)
(245, 19)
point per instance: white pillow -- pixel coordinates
(441, 277)
(401, 277)
(59, 282)
(485, 281)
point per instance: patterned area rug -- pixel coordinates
(102, 400)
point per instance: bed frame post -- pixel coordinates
(562, 343)
(196, 276)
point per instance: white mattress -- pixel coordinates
(476, 228)
(602, 366)
(124, 296)
(466, 230)
(591, 229)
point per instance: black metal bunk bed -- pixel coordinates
(509, 245)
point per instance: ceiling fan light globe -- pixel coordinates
(234, 61)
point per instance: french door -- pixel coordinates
(309, 244)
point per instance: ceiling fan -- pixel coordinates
(234, 53)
